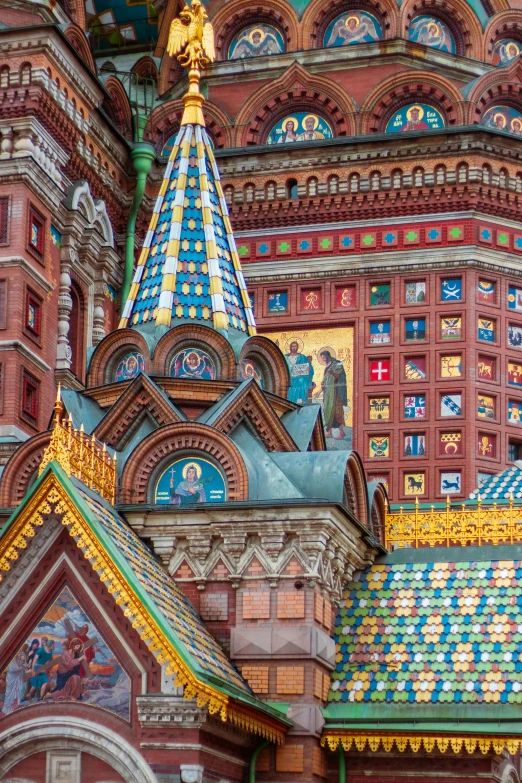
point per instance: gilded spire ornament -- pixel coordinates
(191, 39)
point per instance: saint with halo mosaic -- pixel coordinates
(256, 41)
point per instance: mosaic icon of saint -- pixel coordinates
(414, 116)
(191, 489)
(289, 131)
(256, 42)
(301, 372)
(310, 123)
(352, 29)
(333, 387)
(505, 51)
(431, 32)
(193, 363)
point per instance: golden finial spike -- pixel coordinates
(191, 40)
(59, 393)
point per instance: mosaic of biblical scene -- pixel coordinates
(249, 369)
(129, 366)
(503, 118)
(193, 363)
(189, 481)
(256, 41)
(352, 27)
(321, 371)
(504, 51)
(65, 659)
(417, 116)
(432, 32)
(301, 126)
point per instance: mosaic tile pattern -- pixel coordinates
(189, 268)
(168, 599)
(431, 633)
(500, 486)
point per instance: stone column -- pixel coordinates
(63, 349)
(98, 314)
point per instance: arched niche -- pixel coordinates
(176, 345)
(460, 19)
(237, 15)
(319, 17)
(270, 363)
(183, 440)
(21, 470)
(111, 351)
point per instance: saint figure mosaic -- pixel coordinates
(129, 366)
(430, 31)
(352, 27)
(504, 118)
(416, 116)
(255, 41)
(190, 481)
(504, 51)
(193, 363)
(300, 126)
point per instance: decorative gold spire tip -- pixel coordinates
(191, 39)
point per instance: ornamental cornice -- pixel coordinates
(27, 42)
(327, 545)
(161, 710)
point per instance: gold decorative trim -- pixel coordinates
(416, 742)
(52, 498)
(80, 455)
(454, 526)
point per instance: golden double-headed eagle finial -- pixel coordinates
(191, 40)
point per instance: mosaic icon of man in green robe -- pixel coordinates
(334, 395)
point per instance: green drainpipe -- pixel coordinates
(142, 155)
(252, 768)
(342, 764)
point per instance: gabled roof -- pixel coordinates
(189, 270)
(431, 641)
(149, 597)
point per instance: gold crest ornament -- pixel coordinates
(191, 40)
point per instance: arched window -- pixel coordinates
(462, 172)
(333, 185)
(418, 177)
(25, 73)
(291, 189)
(311, 186)
(77, 331)
(270, 191)
(396, 178)
(440, 175)
(249, 193)
(354, 183)
(229, 194)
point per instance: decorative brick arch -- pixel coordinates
(165, 120)
(410, 87)
(79, 43)
(459, 16)
(118, 107)
(271, 359)
(295, 90)
(146, 68)
(503, 85)
(114, 345)
(170, 73)
(237, 14)
(356, 479)
(186, 438)
(319, 14)
(378, 510)
(198, 336)
(506, 24)
(21, 468)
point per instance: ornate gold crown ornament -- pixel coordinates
(191, 39)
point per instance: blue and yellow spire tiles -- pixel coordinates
(189, 268)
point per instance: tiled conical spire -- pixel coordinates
(189, 269)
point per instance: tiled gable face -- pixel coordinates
(431, 633)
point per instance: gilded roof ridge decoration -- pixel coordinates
(144, 591)
(189, 268)
(456, 742)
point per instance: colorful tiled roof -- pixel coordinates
(168, 599)
(431, 633)
(501, 486)
(189, 269)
